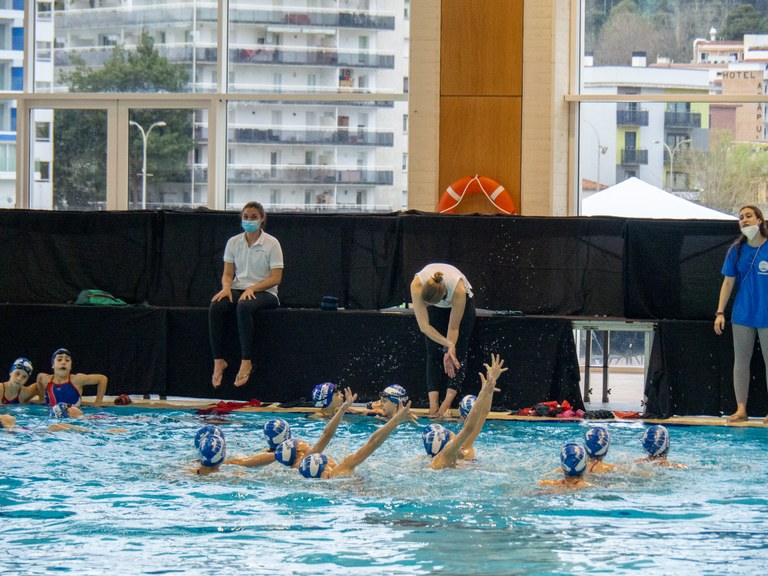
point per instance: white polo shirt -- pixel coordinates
(254, 263)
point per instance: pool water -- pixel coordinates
(103, 503)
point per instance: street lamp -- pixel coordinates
(145, 137)
(600, 150)
(671, 153)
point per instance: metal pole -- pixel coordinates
(144, 139)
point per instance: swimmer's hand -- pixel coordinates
(493, 371)
(404, 413)
(225, 292)
(349, 398)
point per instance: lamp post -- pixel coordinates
(600, 150)
(144, 138)
(671, 152)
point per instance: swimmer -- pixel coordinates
(596, 443)
(445, 447)
(328, 398)
(14, 390)
(656, 444)
(389, 400)
(278, 431)
(212, 448)
(573, 463)
(318, 465)
(63, 410)
(7, 421)
(63, 386)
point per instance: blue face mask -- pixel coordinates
(251, 225)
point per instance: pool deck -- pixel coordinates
(179, 403)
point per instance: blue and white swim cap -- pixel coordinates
(596, 442)
(435, 438)
(322, 394)
(312, 466)
(285, 453)
(22, 364)
(395, 394)
(60, 351)
(573, 459)
(466, 405)
(656, 440)
(277, 431)
(205, 431)
(212, 449)
(60, 410)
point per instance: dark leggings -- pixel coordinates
(220, 311)
(437, 379)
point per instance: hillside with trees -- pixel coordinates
(665, 28)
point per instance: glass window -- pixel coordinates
(161, 144)
(307, 151)
(288, 154)
(99, 46)
(671, 125)
(77, 158)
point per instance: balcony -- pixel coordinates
(302, 137)
(632, 117)
(325, 19)
(161, 15)
(308, 175)
(634, 156)
(310, 57)
(682, 119)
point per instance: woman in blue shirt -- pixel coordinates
(746, 267)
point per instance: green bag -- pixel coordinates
(98, 298)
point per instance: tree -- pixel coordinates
(627, 31)
(729, 175)
(742, 20)
(80, 137)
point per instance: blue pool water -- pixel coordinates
(105, 503)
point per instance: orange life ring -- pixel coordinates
(495, 192)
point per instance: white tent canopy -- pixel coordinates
(634, 198)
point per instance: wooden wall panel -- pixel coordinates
(481, 47)
(481, 135)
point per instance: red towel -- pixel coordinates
(225, 407)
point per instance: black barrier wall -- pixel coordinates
(643, 269)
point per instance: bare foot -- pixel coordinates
(738, 417)
(765, 420)
(218, 372)
(246, 369)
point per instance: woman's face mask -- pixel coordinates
(750, 231)
(251, 225)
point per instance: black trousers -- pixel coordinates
(220, 311)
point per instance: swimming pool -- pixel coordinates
(122, 503)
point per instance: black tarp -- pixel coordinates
(561, 266)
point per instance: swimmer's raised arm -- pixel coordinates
(330, 429)
(347, 466)
(476, 417)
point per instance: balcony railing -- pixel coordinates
(632, 117)
(128, 16)
(310, 57)
(291, 136)
(634, 156)
(309, 175)
(682, 119)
